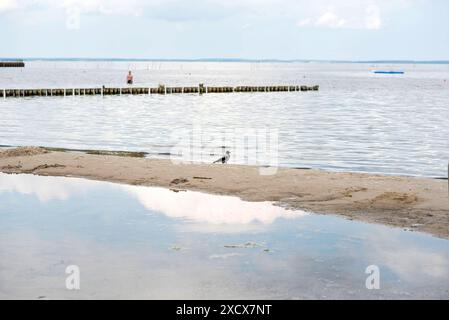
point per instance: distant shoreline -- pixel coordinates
(230, 60)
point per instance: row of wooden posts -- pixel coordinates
(12, 64)
(140, 90)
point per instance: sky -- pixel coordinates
(247, 29)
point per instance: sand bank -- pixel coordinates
(419, 204)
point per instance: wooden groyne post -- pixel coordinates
(161, 89)
(12, 64)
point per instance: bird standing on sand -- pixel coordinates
(224, 159)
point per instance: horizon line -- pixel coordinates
(403, 61)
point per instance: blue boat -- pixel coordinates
(389, 72)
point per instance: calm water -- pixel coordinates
(358, 121)
(140, 242)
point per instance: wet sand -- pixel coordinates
(419, 204)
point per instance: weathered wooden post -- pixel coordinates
(161, 89)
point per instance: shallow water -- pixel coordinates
(358, 121)
(140, 242)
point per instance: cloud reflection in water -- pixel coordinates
(193, 206)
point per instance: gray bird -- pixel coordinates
(224, 159)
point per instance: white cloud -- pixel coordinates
(412, 262)
(194, 206)
(6, 5)
(45, 188)
(207, 208)
(304, 23)
(373, 19)
(356, 14)
(331, 20)
(362, 14)
(110, 7)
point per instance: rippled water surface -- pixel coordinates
(141, 242)
(358, 121)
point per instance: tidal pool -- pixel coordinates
(154, 243)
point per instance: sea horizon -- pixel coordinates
(243, 60)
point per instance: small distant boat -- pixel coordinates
(388, 72)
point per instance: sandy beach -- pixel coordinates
(418, 204)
